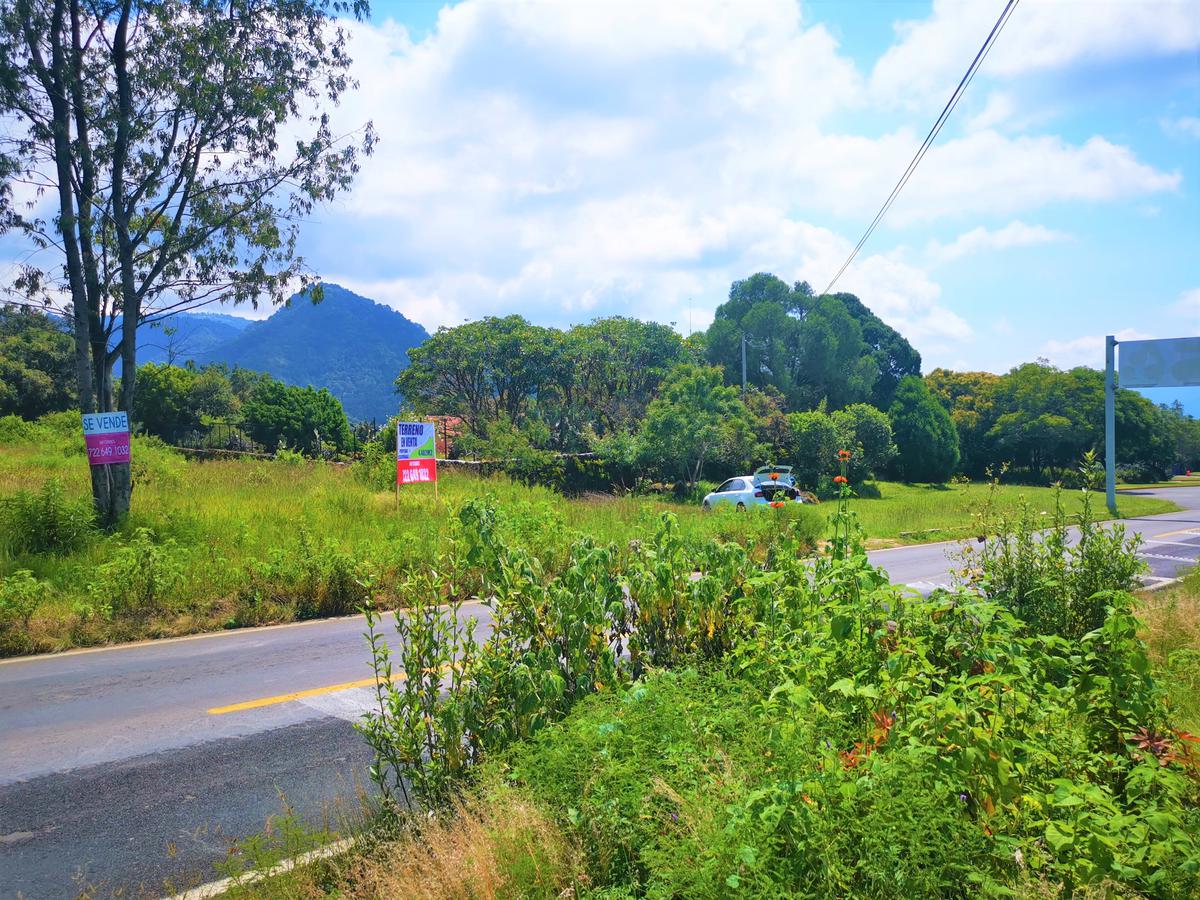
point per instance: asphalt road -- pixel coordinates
(132, 769)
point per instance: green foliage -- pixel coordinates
(37, 373)
(700, 722)
(812, 349)
(20, 595)
(1057, 573)
(812, 449)
(867, 434)
(695, 421)
(1042, 419)
(590, 380)
(45, 521)
(299, 417)
(171, 398)
(309, 579)
(926, 442)
(141, 578)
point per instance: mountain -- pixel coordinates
(347, 343)
(186, 336)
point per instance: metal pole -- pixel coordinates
(743, 362)
(1110, 428)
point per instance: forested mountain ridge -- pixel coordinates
(349, 344)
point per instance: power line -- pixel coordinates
(967, 78)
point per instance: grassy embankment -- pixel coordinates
(233, 543)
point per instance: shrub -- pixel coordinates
(45, 521)
(313, 579)
(20, 596)
(867, 433)
(15, 430)
(812, 449)
(1057, 582)
(140, 579)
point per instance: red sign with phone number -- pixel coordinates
(416, 471)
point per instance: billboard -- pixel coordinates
(1171, 362)
(416, 452)
(106, 436)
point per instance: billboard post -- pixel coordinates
(1162, 362)
(1110, 415)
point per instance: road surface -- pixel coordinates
(133, 768)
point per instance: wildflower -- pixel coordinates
(843, 455)
(839, 479)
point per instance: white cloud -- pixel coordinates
(1184, 126)
(1014, 234)
(1187, 308)
(566, 161)
(1087, 350)
(1000, 108)
(931, 54)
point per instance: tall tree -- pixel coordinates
(37, 375)
(810, 348)
(926, 442)
(695, 421)
(164, 130)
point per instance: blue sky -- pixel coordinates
(576, 159)
(571, 160)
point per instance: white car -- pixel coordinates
(768, 485)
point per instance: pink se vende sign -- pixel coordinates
(107, 437)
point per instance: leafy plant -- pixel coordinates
(45, 521)
(140, 579)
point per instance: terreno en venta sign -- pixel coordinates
(416, 453)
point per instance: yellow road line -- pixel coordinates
(297, 695)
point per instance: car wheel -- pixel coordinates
(707, 506)
(741, 506)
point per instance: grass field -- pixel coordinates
(231, 543)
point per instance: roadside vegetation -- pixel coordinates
(234, 543)
(778, 727)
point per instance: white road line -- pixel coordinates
(1182, 559)
(216, 888)
(1195, 547)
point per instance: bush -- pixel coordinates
(867, 433)
(140, 579)
(20, 596)
(311, 580)
(702, 723)
(1054, 583)
(15, 430)
(45, 521)
(812, 449)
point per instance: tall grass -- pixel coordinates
(231, 543)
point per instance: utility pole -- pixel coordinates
(743, 363)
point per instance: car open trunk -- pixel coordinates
(774, 490)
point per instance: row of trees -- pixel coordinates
(1041, 419)
(173, 400)
(653, 405)
(821, 373)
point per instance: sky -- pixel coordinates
(568, 160)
